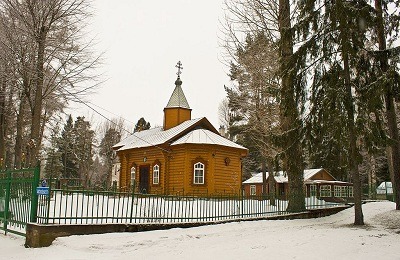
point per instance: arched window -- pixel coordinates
(133, 173)
(156, 174)
(198, 173)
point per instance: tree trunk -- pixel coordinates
(349, 106)
(2, 121)
(371, 177)
(19, 134)
(289, 114)
(394, 147)
(264, 178)
(35, 141)
(271, 182)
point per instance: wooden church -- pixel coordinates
(186, 156)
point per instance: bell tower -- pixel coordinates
(177, 110)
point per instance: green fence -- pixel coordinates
(65, 206)
(18, 199)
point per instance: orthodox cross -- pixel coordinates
(179, 66)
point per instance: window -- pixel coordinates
(198, 173)
(313, 190)
(337, 191)
(133, 173)
(156, 174)
(253, 190)
(343, 191)
(325, 191)
(350, 191)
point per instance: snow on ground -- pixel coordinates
(332, 237)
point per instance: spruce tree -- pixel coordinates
(83, 149)
(141, 125)
(111, 137)
(66, 148)
(335, 34)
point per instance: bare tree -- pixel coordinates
(61, 65)
(273, 20)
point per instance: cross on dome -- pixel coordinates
(179, 66)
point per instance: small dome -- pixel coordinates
(178, 82)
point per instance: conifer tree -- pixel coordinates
(83, 148)
(335, 34)
(111, 137)
(386, 24)
(66, 148)
(54, 166)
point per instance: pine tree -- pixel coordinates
(141, 125)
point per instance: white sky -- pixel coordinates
(332, 237)
(143, 41)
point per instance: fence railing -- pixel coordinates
(18, 199)
(65, 206)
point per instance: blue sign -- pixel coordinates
(42, 191)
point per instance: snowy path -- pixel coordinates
(331, 237)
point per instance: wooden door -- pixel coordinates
(144, 179)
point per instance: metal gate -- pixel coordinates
(18, 199)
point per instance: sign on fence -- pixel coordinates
(42, 191)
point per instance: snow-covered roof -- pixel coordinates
(204, 136)
(154, 136)
(281, 177)
(157, 136)
(385, 188)
(178, 98)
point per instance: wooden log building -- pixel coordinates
(185, 156)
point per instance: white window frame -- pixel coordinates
(350, 191)
(343, 191)
(133, 173)
(253, 190)
(338, 191)
(325, 191)
(198, 173)
(313, 190)
(156, 174)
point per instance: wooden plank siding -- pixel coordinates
(143, 157)
(223, 169)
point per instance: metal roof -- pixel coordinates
(154, 136)
(281, 177)
(204, 136)
(178, 98)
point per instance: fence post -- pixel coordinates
(35, 183)
(133, 197)
(241, 195)
(7, 202)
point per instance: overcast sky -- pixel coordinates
(143, 41)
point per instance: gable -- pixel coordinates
(204, 136)
(321, 174)
(158, 136)
(281, 177)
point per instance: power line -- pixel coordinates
(112, 122)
